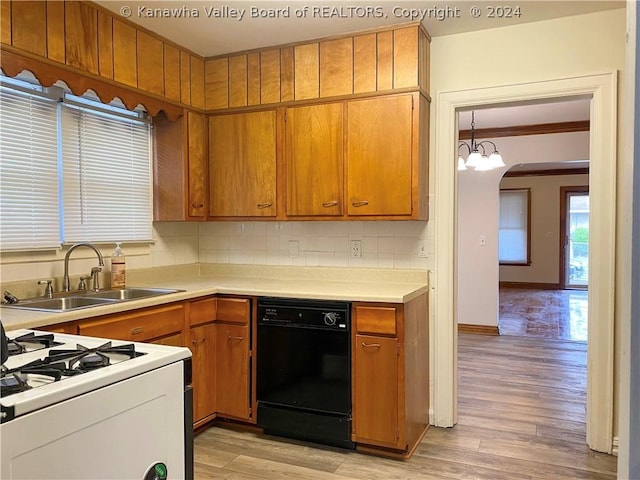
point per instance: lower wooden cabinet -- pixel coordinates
(390, 371)
(202, 342)
(375, 404)
(219, 342)
(176, 340)
(232, 366)
(145, 325)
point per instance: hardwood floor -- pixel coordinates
(560, 314)
(521, 415)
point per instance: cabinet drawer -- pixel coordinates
(202, 311)
(233, 310)
(372, 319)
(139, 326)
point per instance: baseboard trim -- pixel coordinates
(539, 286)
(478, 329)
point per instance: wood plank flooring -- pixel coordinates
(521, 415)
(561, 314)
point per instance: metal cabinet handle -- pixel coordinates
(229, 337)
(361, 203)
(197, 205)
(332, 203)
(137, 330)
(372, 345)
(196, 342)
(264, 205)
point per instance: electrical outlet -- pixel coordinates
(356, 248)
(422, 249)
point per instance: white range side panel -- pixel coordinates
(115, 432)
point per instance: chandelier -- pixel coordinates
(478, 159)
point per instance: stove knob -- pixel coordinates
(330, 318)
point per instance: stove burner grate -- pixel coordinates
(84, 359)
(15, 380)
(11, 384)
(30, 342)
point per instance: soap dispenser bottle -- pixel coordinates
(118, 268)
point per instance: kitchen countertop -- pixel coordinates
(198, 280)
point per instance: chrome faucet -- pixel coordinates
(94, 271)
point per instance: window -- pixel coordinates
(514, 227)
(28, 171)
(106, 177)
(72, 170)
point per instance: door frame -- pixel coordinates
(563, 230)
(602, 89)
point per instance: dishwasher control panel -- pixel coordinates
(304, 313)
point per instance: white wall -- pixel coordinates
(533, 52)
(478, 204)
(536, 51)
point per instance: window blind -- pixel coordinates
(107, 177)
(514, 224)
(28, 171)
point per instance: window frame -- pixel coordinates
(527, 262)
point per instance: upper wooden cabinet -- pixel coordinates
(242, 165)
(380, 156)
(368, 154)
(180, 164)
(197, 164)
(314, 166)
(96, 42)
(383, 61)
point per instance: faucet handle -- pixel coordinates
(82, 286)
(48, 290)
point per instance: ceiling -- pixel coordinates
(212, 28)
(570, 110)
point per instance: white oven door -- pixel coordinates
(116, 432)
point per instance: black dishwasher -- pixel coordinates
(304, 370)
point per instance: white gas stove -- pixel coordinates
(123, 408)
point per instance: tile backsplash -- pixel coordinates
(384, 244)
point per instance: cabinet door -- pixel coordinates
(314, 152)
(172, 340)
(242, 164)
(232, 364)
(375, 390)
(197, 171)
(379, 155)
(202, 345)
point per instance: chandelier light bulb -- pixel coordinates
(484, 164)
(495, 159)
(461, 165)
(474, 159)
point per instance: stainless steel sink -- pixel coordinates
(60, 304)
(130, 293)
(78, 300)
